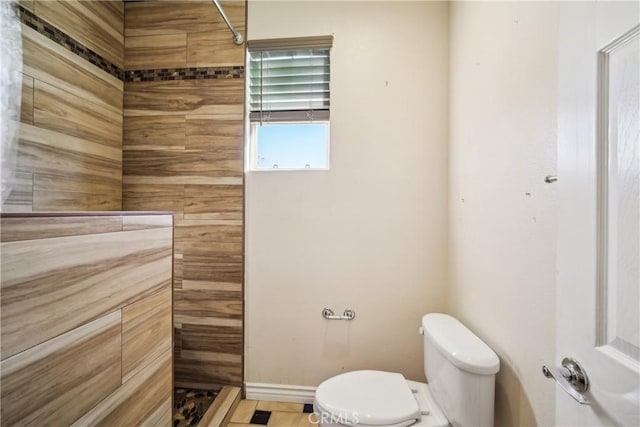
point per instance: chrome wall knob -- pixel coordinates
(348, 314)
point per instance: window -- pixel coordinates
(289, 98)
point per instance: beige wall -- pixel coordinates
(370, 234)
(502, 214)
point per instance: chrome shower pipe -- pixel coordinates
(237, 37)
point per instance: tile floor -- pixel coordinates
(272, 414)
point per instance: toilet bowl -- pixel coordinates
(376, 398)
(459, 367)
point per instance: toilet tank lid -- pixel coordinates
(459, 345)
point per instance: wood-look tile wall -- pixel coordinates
(70, 152)
(183, 152)
(86, 333)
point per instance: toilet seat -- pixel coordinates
(368, 398)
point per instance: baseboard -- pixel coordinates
(280, 392)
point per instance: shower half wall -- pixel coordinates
(182, 80)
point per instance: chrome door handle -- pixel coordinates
(571, 377)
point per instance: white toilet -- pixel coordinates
(459, 367)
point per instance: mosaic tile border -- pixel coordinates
(195, 73)
(41, 26)
(161, 74)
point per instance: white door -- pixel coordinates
(598, 294)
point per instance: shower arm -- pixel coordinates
(237, 37)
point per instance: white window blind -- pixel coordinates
(289, 80)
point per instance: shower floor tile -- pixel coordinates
(190, 405)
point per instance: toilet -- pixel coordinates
(460, 370)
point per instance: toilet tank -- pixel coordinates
(460, 369)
